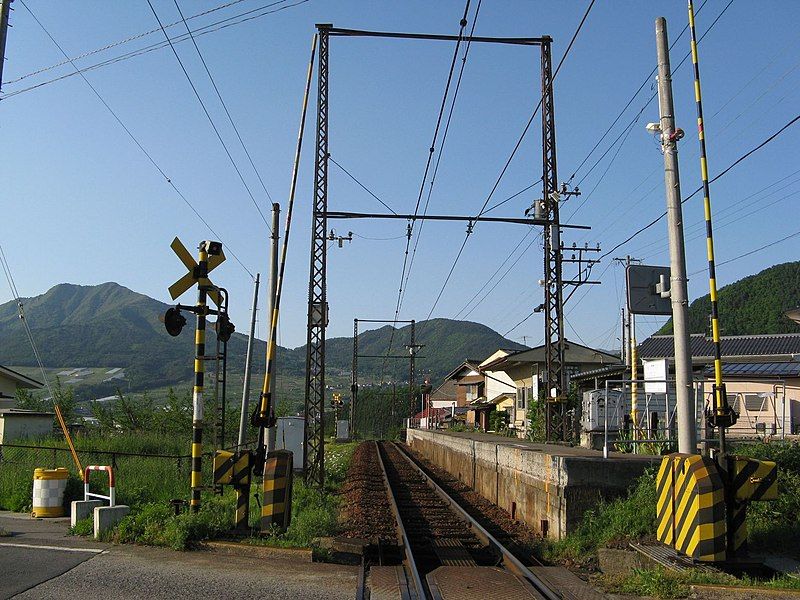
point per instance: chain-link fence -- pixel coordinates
(140, 478)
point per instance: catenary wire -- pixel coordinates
(441, 147)
(449, 80)
(138, 143)
(208, 115)
(513, 153)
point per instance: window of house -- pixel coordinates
(753, 402)
(522, 397)
(471, 392)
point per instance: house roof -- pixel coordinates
(472, 365)
(575, 353)
(784, 345)
(20, 379)
(21, 412)
(470, 380)
(601, 372)
(768, 369)
(446, 391)
(436, 413)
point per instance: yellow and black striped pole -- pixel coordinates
(199, 371)
(721, 415)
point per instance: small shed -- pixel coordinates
(18, 424)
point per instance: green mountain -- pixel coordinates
(751, 305)
(109, 325)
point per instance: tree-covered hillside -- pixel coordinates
(752, 305)
(109, 325)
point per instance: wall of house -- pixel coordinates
(8, 387)
(19, 427)
(498, 382)
(783, 412)
(547, 491)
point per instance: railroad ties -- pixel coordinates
(446, 553)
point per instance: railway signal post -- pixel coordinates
(209, 257)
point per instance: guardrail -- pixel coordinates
(112, 495)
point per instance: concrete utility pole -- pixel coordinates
(248, 362)
(273, 292)
(687, 436)
(5, 8)
(623, 354)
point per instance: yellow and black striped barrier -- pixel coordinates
(234, 468)
(691, 507)
(697, 515)
(231, 468)
(276, 510)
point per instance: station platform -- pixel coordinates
(547, 486)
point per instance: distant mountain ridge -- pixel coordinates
(750, 306)
(113, 326)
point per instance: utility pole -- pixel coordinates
(5, 9)
(687, 436)
(623, 355)
(354, 382)
(632, 355)
(273, 292)
(247, 368)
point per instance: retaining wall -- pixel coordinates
(547, 487)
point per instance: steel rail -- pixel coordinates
(401, 530)
(511, 562)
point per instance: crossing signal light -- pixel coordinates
(224, 328)
(173, 321)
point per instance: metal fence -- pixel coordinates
(140, 477)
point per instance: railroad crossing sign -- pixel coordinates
(194, 276)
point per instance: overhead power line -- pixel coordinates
(647, 79)
(136, 141)
(224, 106)
(208, 115)
(121, 42)
(759, 249)
(210, 28)
(441, 147)
(361, 185)
(743, 157)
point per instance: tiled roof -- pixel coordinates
(770, 369)
(607, 370)
(784, 344)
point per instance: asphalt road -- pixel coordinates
(38, 561)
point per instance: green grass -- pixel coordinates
(83, 527)
(314, 513)
(661, 583)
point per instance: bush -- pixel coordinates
(157, 525)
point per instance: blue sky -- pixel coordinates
(82, 204)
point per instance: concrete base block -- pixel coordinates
(616, 561)
(105, 517)
(80, 509)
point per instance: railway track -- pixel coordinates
(445, 554)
